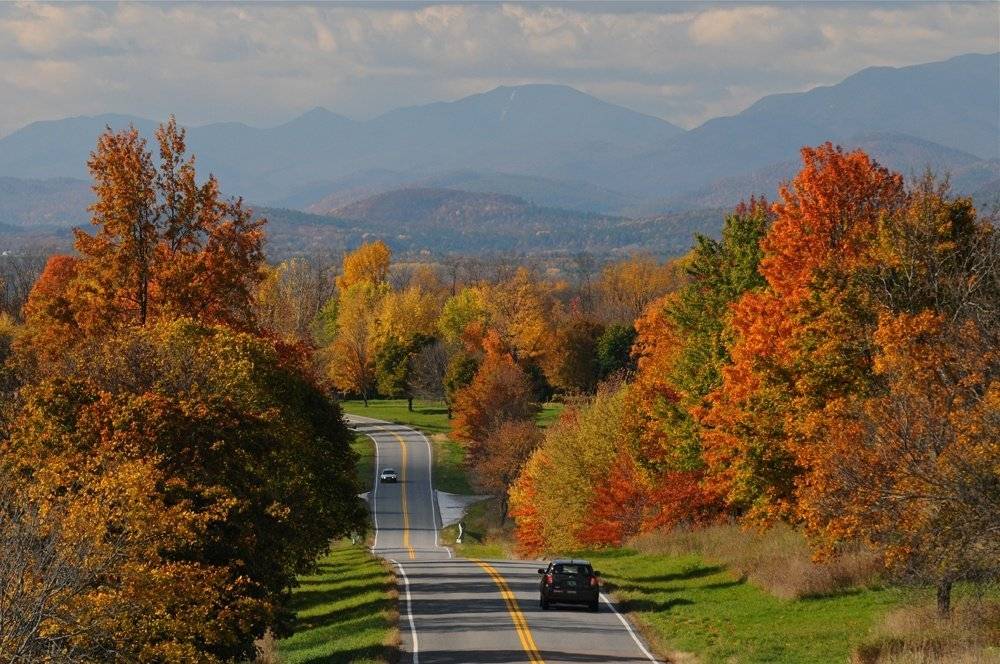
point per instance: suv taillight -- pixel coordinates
(593, 581)
(548, 579)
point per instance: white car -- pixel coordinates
(388, 475)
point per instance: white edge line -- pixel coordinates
(409, 612)
(628, 628)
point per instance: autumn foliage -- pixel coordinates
(169, 469)
(831, 363)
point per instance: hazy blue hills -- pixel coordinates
(525, 129)
(435, 221)
(572, 162)
(954, 103)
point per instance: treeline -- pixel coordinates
(832, 363)
(168, 465)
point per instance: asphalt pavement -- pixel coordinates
(460, 611)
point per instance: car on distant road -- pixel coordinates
(388, 475)
(567, 581)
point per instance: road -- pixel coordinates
(461, 611)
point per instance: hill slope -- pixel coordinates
(955, 103)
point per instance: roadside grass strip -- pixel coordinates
(346, 611)
(520, 622)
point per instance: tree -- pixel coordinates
(459, 372)
(394, 367)
(571, 361)
(292, 295)
(353, 351)
(216, 454)
(430, 367)
(909, 467)
(520, 311)
(626, 288)
(614, 350)
(550, 499)
(913, 472)
(461, 310)
(803, 340)
(500, 391)
(165, 245)
(368, 263)
(502, 455)
(50, 322)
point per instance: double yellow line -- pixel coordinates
(520, 623)
(402, 490)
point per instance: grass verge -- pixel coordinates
(686, 604)
(347, 612)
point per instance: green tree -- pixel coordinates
(394, 367)
(614, 350)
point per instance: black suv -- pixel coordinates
(569, 582)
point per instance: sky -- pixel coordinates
(265, 63)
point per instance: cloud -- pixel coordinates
(263, 63)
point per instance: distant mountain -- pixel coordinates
(324, 198)
(443, 220)
(535, 164)
(60, 202)
(526, 129)
(955, 103)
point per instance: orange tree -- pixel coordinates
(912, 467)
(499, 391)
(802, 340)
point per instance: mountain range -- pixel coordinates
(551, 147)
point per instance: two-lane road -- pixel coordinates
(460, 611)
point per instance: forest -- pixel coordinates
(175, 453)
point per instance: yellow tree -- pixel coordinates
(627, 287)
(369, 262)
(352, 353)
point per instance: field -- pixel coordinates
(346, 610)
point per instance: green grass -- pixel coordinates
(685, 605)
(688, 605)
(346, 611)
(429, 416)
(365, 449)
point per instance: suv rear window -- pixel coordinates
(580, 570)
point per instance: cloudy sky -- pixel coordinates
(264, 63)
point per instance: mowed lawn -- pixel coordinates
(346, 611)
(686, 605)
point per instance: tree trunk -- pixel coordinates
(944, 598)
(409, 404)
(364, 397)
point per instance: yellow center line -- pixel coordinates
(402, 490)
(520, 622)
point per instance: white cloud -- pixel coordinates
(262, 63)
